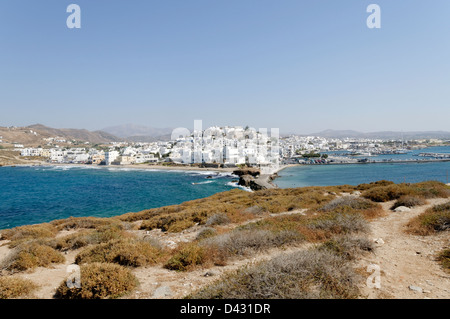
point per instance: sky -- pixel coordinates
(300, 66)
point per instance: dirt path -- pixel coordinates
(406, 260)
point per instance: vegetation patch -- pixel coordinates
(14, 287)
(125, 252)
(430, 189)
(409, 201)
(433, 220)
(444, 259)
(100, 281)
(348, 247)
(301, 275)
(187, 256)
(23, 233)
(31, 255)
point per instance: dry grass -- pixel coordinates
(24, 233)
(430, 189)
(100, 281)
(125, 252)
(433, 220)
(409, 201)
(87, 237)
(84, 222)
(301, 275)
(444, 259)
(187, 256)
(237, 205)
(13, 287)
(31, 255)
(348, 247)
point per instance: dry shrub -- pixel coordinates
(348, 247)
(100, 281)
(217, 219)
(31, 255)
(362, 187)
(444, 259)
(245, 242)
(434, 219)
(14, 287)
(340, 223)
(347, 204)
(429, 189)
(409, 201)
(187, 256)
(206, 233)
(301, 275)
(83, 222)
(125, 252)
(386, 193)
(23, 233)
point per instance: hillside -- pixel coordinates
(33, 135)
(312, 242)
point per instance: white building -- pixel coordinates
(111, 156)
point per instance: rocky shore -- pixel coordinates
(251, 177)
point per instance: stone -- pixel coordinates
(415, 288)
(402, 209)
(163, 291)
(209, 274)
(379, 241)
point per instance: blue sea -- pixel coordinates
(354, 174)
(30, 195)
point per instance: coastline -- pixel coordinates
(131, 166)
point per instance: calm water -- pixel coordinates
(354, 174)
(30, 195)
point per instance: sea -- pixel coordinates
(37, 194)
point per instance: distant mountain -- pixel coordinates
(132, 131)
(74, 134)
(385, 135)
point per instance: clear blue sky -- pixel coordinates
(301, 66)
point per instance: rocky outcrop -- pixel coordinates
(252, 178)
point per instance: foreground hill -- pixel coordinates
(312, 242)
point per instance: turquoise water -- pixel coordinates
(30, 195)
(354, 174)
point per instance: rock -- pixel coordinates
(415, 288)
(379, 241)
(247, 171)
(209, 274)
(356, 193)
(402, 209)
(163, 291)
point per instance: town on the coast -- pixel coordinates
(230, 147)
